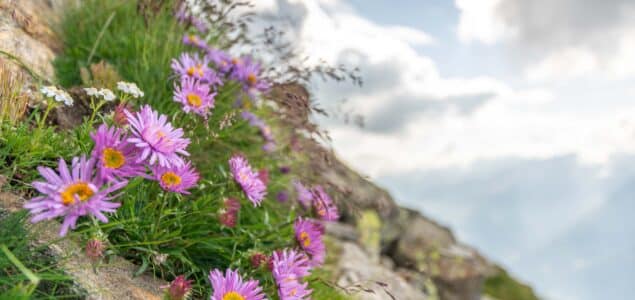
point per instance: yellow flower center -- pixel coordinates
(79, 190)
(251, 79)
(192, 38)
(113, 158)
(198, 69)
(243, 176)
(170, 179)
(194, 100)
(293, 292)
(305, 239)
(235, 61)
(233, 296)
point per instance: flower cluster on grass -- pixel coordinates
(138, 142)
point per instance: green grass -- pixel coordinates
(140, 52)
(504, 287)
(26, 271)
(24, 147)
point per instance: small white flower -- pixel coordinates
(91, 91)
(49, 91)
(130, 88)
(64, 97)
(107, 94)
(57, 94)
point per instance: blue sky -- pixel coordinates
(511, 121)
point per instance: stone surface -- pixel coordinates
(113, 281)
(420, 244)
(341, 231)
(366, 279)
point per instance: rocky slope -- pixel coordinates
(384, 251)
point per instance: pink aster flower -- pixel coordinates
(308, 234)
(323, 204)
(289, 267)
(178, 289)
(305, 197)
(194, 40)
(248, 72)
(176, 179)
(72, 193)
(156, 138)
(233, 287)
(249, 181)
(194, 96)
(194, 67)
(115, 157)
(221, 59)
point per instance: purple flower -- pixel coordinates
(221, 59)
(289, 267)
(291, 263)
(282, 196)
(269, 146)
(305, 197)
(194, 40)
(195, 67)
(252, 119)
(115, 157)
(194, 96)
(308, 234)
(72, 193)
(176, 179)
(200, 25)
(254, 188)
(248, 73)
(184, 16)
(156, 138)
(323, 204)
(233, 287)
(285, 169)
(178, 289)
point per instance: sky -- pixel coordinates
(510, 121)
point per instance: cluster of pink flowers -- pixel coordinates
(146, 144)
(86, 188)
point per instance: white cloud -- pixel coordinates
(478, 21)
(563, 64)
(556, 40)
(436, 121)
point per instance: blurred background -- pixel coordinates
(510, 121)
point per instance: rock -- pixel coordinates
(369, 280)
(341, 231)
(457, 270)
(369, 226)
(113, 281)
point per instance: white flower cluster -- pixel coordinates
(58, 94)
(130, 88)
(107, 94)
